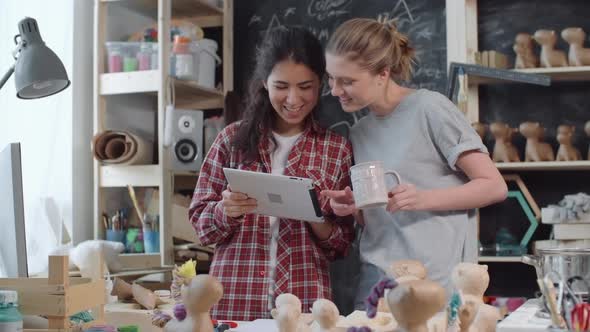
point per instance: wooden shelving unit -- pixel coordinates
(568, 74)
(154, 85)
(499, 259)
(200, 12)
(188, 94)
(582, 165)
(462, 44)
(134, 175)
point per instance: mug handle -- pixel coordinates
(395, 175)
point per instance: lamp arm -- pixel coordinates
(7, 76)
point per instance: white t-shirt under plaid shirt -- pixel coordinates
(278, 162)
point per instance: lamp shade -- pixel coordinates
(38, 71)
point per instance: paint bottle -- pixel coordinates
(10, 318)
(115, 60)
(183, 58)
(154, 55)
(144, 56)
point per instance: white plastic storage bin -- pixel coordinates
(207, 59)
(198, 64)
(131, 56)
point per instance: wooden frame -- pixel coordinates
(188, 95)
(59, 296)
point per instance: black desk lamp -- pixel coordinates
(38, 72)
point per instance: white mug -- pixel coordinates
(368, 184)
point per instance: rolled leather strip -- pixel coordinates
(122, 147)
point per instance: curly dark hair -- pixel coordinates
(291, 43)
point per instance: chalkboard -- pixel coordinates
(423, 20)
(562, 103)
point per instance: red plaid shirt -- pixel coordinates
(241, 258)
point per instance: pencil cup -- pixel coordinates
(151, 241)
(116, 235)
(134, 241)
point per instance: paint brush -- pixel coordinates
(135, 203)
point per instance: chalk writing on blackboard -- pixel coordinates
(394, 16)
(323, 9)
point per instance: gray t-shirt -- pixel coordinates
(421, 140)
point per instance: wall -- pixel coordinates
(54, 131)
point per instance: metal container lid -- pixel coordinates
(8, 297)
(564, 251)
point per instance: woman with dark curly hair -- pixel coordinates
(257, 257)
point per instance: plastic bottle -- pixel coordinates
(183, 58)
(115, 59)
(144, 57)
(10, 318)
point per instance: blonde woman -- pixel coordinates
(445, 168)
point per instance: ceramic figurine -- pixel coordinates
(587, 130)
(287, 314)
(468, 311)
(403, 271)
(577, 55)
(326, 316)
(480, 129)
(550, 57)
(414, 302)
(566, 151)
(536, 149)
(486, 319)
(181, 276)
(471, 279)
(504, 150)
(523, 47)
(406, 270)
(203, 292)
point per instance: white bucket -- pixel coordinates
(206, 59)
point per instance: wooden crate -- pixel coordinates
(59, 296)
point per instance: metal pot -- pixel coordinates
(567, 262)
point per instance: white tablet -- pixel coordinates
(277, 195)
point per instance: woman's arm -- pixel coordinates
(336, 234)
(206, 211)
(486, 186)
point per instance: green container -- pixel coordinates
(10, 318)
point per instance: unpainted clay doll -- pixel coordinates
(550, 57)
(203, 292)
(523, 47)
(566, 150)
(535, 149)
(577, 55)
(413, 303)
(504, 150)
